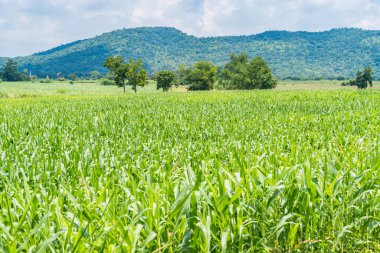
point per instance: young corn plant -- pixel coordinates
(263, 171)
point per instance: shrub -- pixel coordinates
(107, 82)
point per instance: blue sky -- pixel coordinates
(29, 26)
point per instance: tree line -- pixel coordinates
(240, 73)
(10, 72)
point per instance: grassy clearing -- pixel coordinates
(290, 171)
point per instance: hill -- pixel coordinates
(334, 53)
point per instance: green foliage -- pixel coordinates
(260, 75)
(73, 77)
(202, 76)
(131, 73)
(118, 69)
(136, 75)
(106, 82)
(95, 75)
(46, 80)
(207, 172)
(301, 55)
(234, 74)
(165, 80)
(241, 73)
(10, 72)
(362, 80)
(182, 72)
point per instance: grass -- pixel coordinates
(83, 88)
(93, 88)
(272, 171)
(316, 85)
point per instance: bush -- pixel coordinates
(107, 82)
(61, 79)
(45, 81)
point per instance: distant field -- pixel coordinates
(316, 85)
(262, 171)
(29, 89)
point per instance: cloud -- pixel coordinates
(28, 26)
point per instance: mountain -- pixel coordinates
(334, 53)
(2, 60)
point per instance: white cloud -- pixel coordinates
(28, 26)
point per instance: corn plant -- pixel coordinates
(264, 171)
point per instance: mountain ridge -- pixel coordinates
(335, 53)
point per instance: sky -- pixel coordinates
(30, 26)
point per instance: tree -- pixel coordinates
(95, 75)
(118, 70)
(165, 80)
(365, 78)
(10, 72)
(182, 73)
(115, 65)
(241, 73)
(202, 76)
(260, 75)
(73, 77)
(136, 74)
(131, 73)
(234, 73)
(362, 80)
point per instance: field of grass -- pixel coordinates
(33, 89)
(84, 88)
(262, 171)
(316, 85)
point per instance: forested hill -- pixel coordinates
(334, 53)
(2, 61)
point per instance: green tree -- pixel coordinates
(10, 72)
(136, 74)
(260, 75)
(182, 73)
(234, 73)
(73, 77)
(202, 76)
(241, 73)
(95, 75)
(118, 70)
(362, 80)
(165, 80)
(131, 73)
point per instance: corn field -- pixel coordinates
(266, 171)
